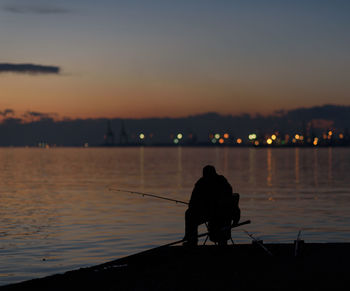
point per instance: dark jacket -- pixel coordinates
(208, 192)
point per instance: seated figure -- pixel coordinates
(212, 201)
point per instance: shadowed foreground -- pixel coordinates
(238, 267)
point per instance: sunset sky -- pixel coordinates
(173, 58)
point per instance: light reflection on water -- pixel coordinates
(57, 214)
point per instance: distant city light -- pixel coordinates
(43, 145)
(329, 137)
(252, 136)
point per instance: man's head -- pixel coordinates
(209, 171)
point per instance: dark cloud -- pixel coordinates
(35, 114)
(39, 115)
(28, 68)
(7, 112)
(34, 9)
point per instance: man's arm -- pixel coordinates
(226, 186)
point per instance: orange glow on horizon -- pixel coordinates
(98, 96)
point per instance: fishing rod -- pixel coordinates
(105, 266)
(109, 266)
(258, 242)
(148, 195)
(200, 235)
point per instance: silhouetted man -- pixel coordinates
(212, 201)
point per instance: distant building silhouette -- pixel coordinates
(123, 136)
(304, 132)
(346, 135)
(109, 136)
(192, 138)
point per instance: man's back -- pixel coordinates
(211, 201)
(208, 191)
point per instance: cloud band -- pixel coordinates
(28, 68)
(34, 9)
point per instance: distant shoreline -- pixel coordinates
(183, 146)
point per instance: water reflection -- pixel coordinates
(226, 159)
(54, 203)
(316, 167)
(330, 154)
(269, 168)
(297, 166)
(179, 167)
(142, 167)
(252, 160)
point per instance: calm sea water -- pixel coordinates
(57, 214)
